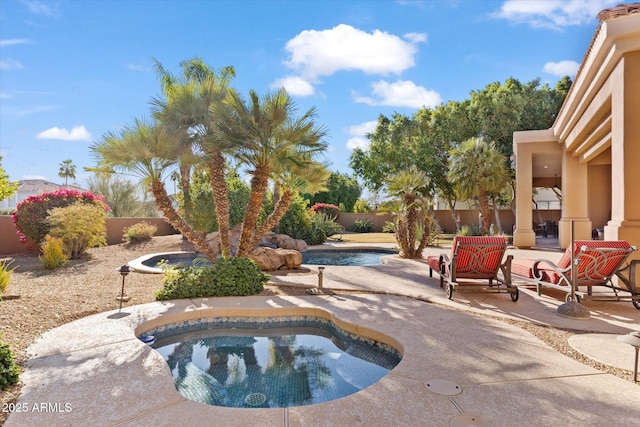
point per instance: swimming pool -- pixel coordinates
(344, 257)
(270, 362)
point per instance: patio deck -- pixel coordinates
(94, 370)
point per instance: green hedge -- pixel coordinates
(227, 277)
(9, 372)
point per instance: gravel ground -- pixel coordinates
(38, 300)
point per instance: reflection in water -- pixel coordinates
(292, 367)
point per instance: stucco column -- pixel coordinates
(625, 152)
(523, 235)
(574, 200)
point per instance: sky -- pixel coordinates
(71, 71)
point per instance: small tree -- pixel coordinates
(410, 188)
(478, 170)
(7, 188)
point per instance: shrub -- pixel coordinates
(326, 208)
(322, 227)
(53, 253)
(361, 206)
(389, 227)
(139, 232)
(473, 230)
(5, 275)
(297, 221)
(80, 226)
(9, 372)
(30, 215)
(232, 276)
(362, 226)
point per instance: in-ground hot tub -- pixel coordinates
(269, 362)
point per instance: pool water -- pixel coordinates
(271, 363)
(351, 257)
(177, 260)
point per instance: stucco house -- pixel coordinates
(592, 151)
(31, 187)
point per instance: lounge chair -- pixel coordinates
(598, 261)
(472, 261)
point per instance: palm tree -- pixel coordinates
(188, 109)
(410, 187)
(148, 151)
(266, 135)
(310, 177)
(67, 170)
(477, 169)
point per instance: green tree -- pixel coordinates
(342, 189)
(7, 188)
(409, 188)
(204, 217)
(119, 193)
(478, 170)
(294, 178)
(268, 135)
(67, 170)
(148, 151)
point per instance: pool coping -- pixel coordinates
(138, 266)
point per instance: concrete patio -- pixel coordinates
(94, 371)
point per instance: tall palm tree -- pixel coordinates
(187, 107)
(410, 187)
(67, 170)
(266, 134)
(477, 169)
(148, 151)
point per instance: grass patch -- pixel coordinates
(368, 237)
(443, 239)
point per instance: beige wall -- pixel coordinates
(10, 243)
(467, 217)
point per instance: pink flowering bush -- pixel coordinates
(330, 210)
(30, 215)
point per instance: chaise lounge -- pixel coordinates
(598, 264)
(473, 260)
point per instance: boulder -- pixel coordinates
(267, 259)
(291, 258)
(301, 245)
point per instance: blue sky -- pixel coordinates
(71, 71)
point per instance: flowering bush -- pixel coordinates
(30, 215)
(326, 208)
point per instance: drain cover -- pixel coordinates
(467, 420)
(445, 387)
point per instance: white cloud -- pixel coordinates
(402, 93)
(77, 133)
(358, 135)
(33, 177)
(11, 42)
(553, 14)
(323, 53)
(294, 85)
(4, 95)
(40, 7)
(416, 37)
(11, 64)
(562, 68)
(137, 67)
